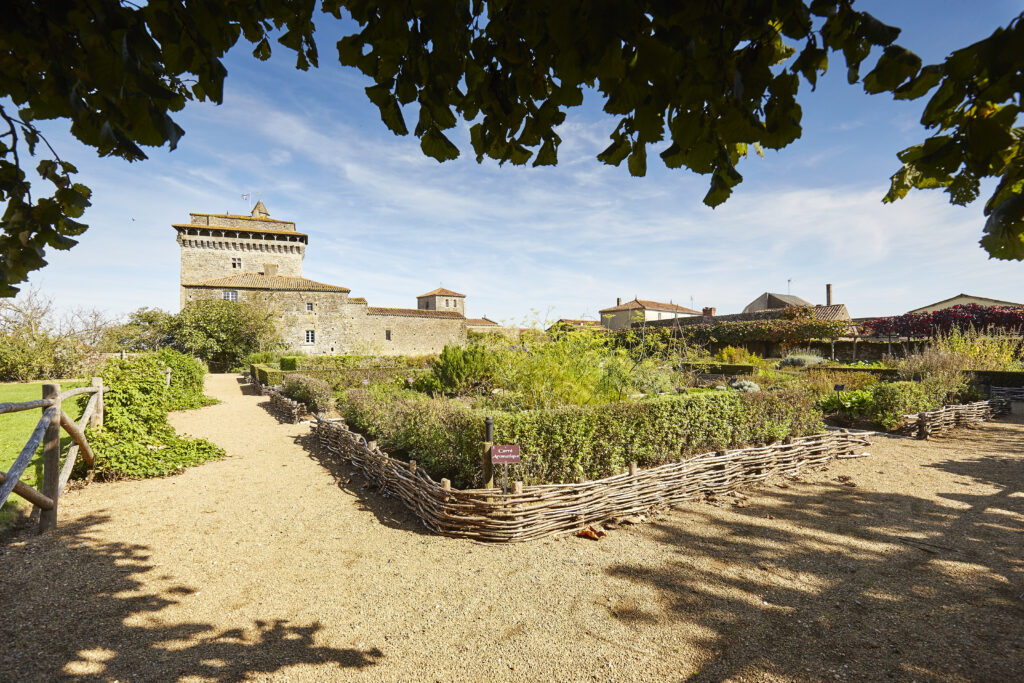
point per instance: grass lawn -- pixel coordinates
(15, 429)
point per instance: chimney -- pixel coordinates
(618, 301)
(270, 269)
(828, 295)
(709, 313)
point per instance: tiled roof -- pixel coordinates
(833, 312)
(356, 300)
(788, 299)
(649, 305)
(234, 229)
(274, 282)
(441, 291)
(246, 216)
(480, 321)
(414, 313)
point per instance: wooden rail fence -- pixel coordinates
(47, 432)
(533, 512)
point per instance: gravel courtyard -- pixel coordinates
(273, 565)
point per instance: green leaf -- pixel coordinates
(435, 145)
(896, 65)
(262, 50)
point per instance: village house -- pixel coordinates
(259, 259)
(622, 315)
(964, 300)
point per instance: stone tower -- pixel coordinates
(442, 300)
(218, 245)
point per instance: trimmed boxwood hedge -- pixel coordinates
(719, 368)
(575, 443)
(267, 375)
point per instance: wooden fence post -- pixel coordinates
(97, 417)
(51, 460)
(485, 456)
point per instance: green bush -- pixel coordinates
(315, 393)
(801, 359)
(572, 443)
(268, 376)
(855, 403)
(187, 374)
(136, 440)
(290, 363)
(893, 400)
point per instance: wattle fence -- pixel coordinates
(946, 418)
(533, 512)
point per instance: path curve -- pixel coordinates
(272, 565)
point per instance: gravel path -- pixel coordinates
(906, 565)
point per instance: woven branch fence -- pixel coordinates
(947, 418)
(284, 408)
(534, 512)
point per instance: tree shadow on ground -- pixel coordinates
(81, 608)
(823, 580)
(388, 511)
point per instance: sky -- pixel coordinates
(534, 244)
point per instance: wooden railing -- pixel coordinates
(47, 431)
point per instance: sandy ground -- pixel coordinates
(270, 564)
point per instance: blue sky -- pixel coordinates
(523, 243)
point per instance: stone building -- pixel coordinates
(259, 259)
(622, 315)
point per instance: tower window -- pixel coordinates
(236, 263)
(309, 306)
(387, 335)
(230, 295)
(446, 304)
(310, 336)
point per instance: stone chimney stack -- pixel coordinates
(709, 313)
(270, 269)
(828, 295)
(618, 301)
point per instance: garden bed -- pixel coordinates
(535, 512)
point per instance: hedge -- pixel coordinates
(881, 373)
(997, 378)
(719, 368)
(290, 363)
(267, 375)
(574, 443)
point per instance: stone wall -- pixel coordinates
(241, 222)
(341, 326)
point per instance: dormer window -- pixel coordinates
(236, 263)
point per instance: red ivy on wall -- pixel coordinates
(979, 317)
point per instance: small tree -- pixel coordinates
(147, 329)
(223, 333)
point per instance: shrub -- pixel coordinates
(801, 358)
(289, 363)
(187, 375)
(571, 443)
(459, 368)
(136, 440)
(744, 385)
(893, 400)
(855, 403)
(315, 393)
(999, 351)
(736, 356)
(268, 376)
